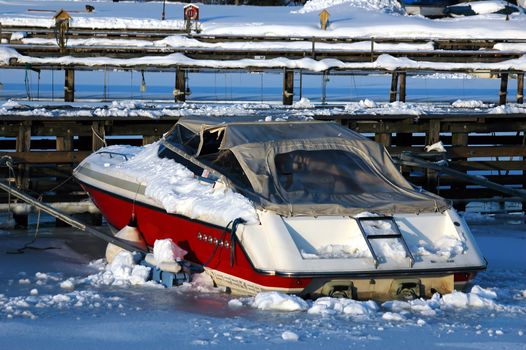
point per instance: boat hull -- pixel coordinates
(210, 245)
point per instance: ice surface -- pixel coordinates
(196, 317)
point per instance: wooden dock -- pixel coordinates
(51, 49)
(45, 149)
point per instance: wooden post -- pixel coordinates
(147, 139)
(383, 138)
(98, 135)
(432, 136)
(503, 88)
(394, 87)
(63, 144)
(460, 139)
(180, 85)
(520, 87)
(69, 85)
(288, 87)
(402, 86)
(404, 140)
(23, 144)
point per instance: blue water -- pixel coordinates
(243, 87)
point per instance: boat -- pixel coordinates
(302, 207)
(427, 8)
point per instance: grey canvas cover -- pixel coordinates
(305, 167)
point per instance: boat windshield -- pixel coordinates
(322, 174)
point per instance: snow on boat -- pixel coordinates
(307, 207)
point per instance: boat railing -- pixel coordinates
(111, 154)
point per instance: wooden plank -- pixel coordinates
(47, 157)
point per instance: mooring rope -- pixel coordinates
(233, 223)
(9, 163)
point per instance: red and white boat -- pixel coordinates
(310, 208)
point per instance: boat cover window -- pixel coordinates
(322, 174)
(184, 139)
(226, 163)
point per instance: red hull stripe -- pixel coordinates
(154, 223)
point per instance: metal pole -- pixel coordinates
(68, 219)
(164, 10)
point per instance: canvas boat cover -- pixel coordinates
(296, 168)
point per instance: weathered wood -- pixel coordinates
(23, 144)
(46, 157)
(403, 76)
(383, 138)
(520, 87)
(288, 87)
(459, 139)
(394, 87)
(69, 85)
(180, 85)
(64, 143)
(503, 93)
(146, 140)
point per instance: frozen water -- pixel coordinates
(491, 314)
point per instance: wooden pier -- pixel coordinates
(41, 49)
(45, 149)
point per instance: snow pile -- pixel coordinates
(303, 103)
(448, 76)
(328, 306)
(273, 301)
(178, 190)
(290, 336)
(339, 251)
(201, 283)
(123, 271)
(508, 109)
(367, 103)
(436, 147)
(373, 5)
(469, 104)
(478, 297)
(166, 251)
